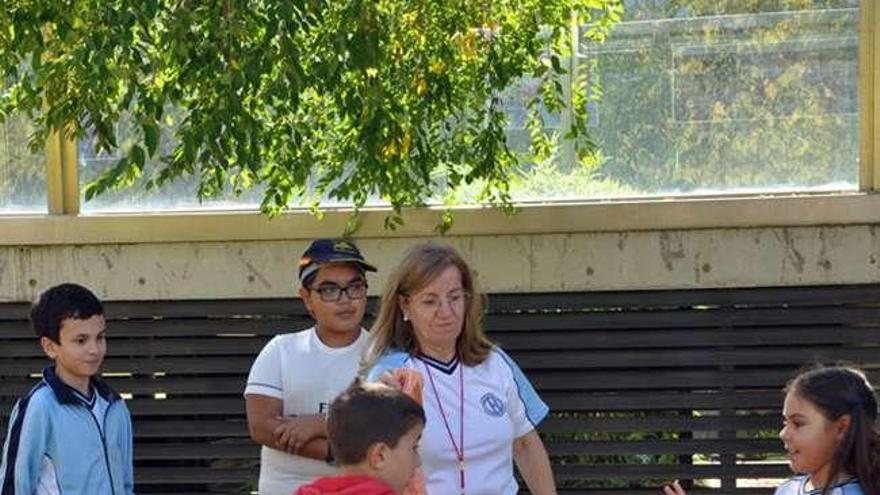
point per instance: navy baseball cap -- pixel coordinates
(325, 251)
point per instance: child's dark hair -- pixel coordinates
(837, 391)
(60, 303)
(364, 415)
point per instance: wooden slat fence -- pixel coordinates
(645, 387)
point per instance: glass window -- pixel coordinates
(697, 97)
(708, 96)
(22, 172)
(180, 195)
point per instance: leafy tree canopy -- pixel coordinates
(307, 98)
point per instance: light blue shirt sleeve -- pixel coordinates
(536, 409)
(392, 359)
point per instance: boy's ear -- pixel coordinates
(304, 295)
(377, 456)
(49, 347)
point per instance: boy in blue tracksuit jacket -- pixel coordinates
(71, 434)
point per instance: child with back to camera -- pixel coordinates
(374, 432)
(830, 435)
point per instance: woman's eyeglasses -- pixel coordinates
(432, 303)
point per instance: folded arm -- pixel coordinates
(300, 435)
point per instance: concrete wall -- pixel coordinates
(641, 259)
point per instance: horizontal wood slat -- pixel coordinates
(196, 451)
(148, 428)
(171, 385)
(669, 472)
(193, 475)
(157, 347)
(790, 356)
(144, 365)
(683, 338)
(117, 329)
(203, 406)
(746, 297)
(640, 401)
(683, 318)
(177, 408)
(556, 425)
(658, 447)
(635, 380)
(14, 311)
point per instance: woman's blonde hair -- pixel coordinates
(421, 265)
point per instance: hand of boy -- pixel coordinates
(293, 433)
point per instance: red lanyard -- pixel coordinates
(458, 447)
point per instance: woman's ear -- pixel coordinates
(403, 304)
(841, 426)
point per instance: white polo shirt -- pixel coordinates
(500, 405)
(306, 375)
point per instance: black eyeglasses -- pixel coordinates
(333, 292)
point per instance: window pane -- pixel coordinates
(698, 97)
(22, 173)
(179, 195)
(707, 96)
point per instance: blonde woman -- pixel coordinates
(481, 410)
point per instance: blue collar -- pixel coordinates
(68, 395)
(445, 367)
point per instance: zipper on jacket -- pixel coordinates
(104, 442)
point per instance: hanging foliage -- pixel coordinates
(345, 99)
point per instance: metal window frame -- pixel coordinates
(62, 176)
(869, 96)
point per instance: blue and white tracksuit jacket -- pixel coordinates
(53, 429)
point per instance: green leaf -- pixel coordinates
(137, 157)
(151, 135)
(557, 64)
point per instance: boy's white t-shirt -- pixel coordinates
(306, 375)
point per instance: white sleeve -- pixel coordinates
(265, 375)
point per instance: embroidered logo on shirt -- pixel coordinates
(492, 405)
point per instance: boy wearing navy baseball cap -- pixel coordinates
(297, 375)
